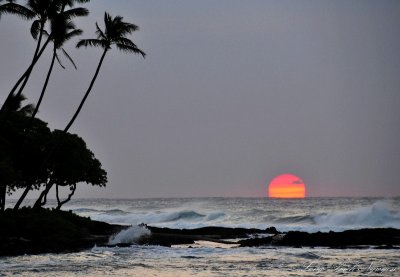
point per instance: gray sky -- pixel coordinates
(231, 94)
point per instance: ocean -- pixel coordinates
(214, 259)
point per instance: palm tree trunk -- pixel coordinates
(87, 92)
(34, 56)
(39, 40)
(43, 91)
(27, 73)
(19, 202)
(3, 190)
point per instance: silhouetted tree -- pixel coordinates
(31, 156)
(42, 10)
(22, 161)
(71, 163)
(114, 34)
(72, 189)
(63, 30)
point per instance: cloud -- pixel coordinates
(298, 182)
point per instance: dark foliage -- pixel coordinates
(22, 154)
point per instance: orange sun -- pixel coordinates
(287, 186)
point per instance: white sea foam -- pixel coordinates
(310, 215)
(130, 235)
(379, 214)
(162, 218)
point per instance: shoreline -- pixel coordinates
(380, 238)
(30, 231)
(38, 231)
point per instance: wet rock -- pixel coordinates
(35, 231)
(169, 236)
(383, 237)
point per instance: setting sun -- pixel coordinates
(287, 186)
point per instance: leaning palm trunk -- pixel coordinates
(87, 92)
(43, 91)
(28, 74)
(28, 188)
(25, 76)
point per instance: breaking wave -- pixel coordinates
(130, 235)
(379, 214)
(162, 218)
(309, 215)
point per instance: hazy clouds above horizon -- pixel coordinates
(231, 94)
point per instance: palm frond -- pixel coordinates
(128, 28)
(43, 8)
(74, 33)
(99, 32)
(129, 49)
(35, 28)
(71, 3)
(68, 57)
(59, 61)
(61, 31)
(93, 43)
(76, 12)
(125, 41)
(16, 9)
(107, 18)
(69, 25)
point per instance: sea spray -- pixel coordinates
(310, 214)
(164, 218)
(284, 214)
(130, 235)
(379, 214)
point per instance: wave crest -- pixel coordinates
(130, 235)
(378, 214)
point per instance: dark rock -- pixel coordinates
(272, 230)
(168, 236)
(34, 231)
(216, 232)
(379, 236)
(382, 237)
(255, 242)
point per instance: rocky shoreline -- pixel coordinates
(30, 231)
(37, 231)
(378, 238)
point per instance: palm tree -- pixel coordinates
(43, 11)
(63, 30)
(114, 34)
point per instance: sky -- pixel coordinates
(231, 94)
